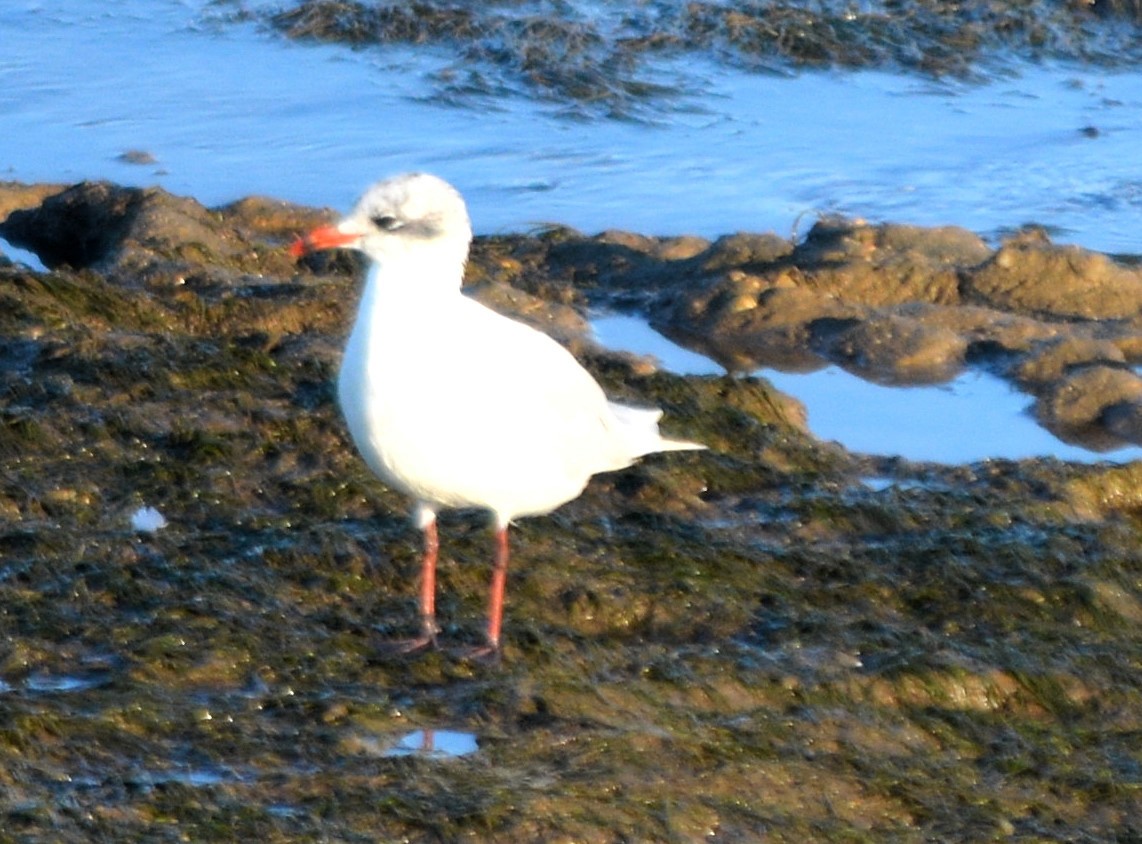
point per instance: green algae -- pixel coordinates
(741, 644)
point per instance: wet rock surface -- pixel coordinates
(774, 639)
(897, 305)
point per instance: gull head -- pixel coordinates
(414, 216)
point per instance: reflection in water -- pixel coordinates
(975, 416)
(435, 744)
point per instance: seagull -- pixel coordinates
(455, 405)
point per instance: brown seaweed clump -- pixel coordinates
(593, 59)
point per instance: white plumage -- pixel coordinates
(454, 404)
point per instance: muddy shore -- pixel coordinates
(773, 640)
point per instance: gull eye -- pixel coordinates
(385, 222)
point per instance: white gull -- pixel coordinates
(454, 404)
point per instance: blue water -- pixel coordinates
(975, 416)
(434, 744)
(228, 110)
(231, 109)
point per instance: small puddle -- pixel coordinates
(47, 683)
(434, 744)
(147, 520)
(878, 483)
(192, 777)
(973, 417)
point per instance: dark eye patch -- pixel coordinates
(385, 222)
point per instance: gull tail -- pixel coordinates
(639, 429)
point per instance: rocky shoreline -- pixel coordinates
(891, 303)
(754, 641)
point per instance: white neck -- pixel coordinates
(417, 275)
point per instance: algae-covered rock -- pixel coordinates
(1032, 276)
(1102, 494)
(16, 196)
(146, 235)
(888, 264)
(863, 647)
(901, 349)
(1052, 361)
(1077, 405)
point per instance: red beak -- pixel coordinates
(322, 237)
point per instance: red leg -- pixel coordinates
(496, 594)
(428, 583)
(490, 650)
(428, 628)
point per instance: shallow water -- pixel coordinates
(228, 110)
(436, 744)
(231, 109)
(62, 683)
(21, 256)
(976, 416)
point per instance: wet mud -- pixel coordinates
(772, 640)
(592, 60)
